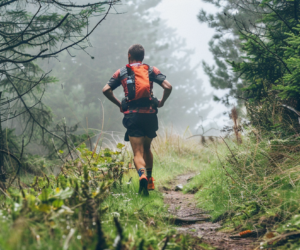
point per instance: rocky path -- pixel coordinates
(194, 221)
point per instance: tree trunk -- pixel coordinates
(2, 174)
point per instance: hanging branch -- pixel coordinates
(29, 112)
(42, 34)
(26, 32)
(16, 159)
(57, 151)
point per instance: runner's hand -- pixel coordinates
(160, 104)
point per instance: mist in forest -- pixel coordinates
(81, 74)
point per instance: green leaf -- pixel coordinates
(64, 194)
(57, 203)
(120, 146)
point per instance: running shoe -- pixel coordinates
(150, 183)
(143, 185)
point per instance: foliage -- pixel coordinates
(11, 141)
(288, 88)
(80, 206)
(226, 45)
(51, 205)
(270, 117)
(254, 185)
(32, 30)
(268, 66)
(262, 49)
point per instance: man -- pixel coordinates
(140, 109)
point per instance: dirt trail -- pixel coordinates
(194, 221)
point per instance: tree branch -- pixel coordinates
(28, 110)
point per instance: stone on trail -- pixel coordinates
(179, 187)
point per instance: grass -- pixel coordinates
(174, 155)
(77, 210)
(254, 185)
(142, 218)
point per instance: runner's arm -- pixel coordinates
(107, 91)
(167, 91)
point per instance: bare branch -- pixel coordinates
(84, 5)
(29, 112)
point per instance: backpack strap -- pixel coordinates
(123, 73)
(150, 71)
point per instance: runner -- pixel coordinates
(140, 109)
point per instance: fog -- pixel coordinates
(175, 42)
(182, 16)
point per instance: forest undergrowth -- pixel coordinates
(254, 186)
(93, 202)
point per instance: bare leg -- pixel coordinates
(137, 144)
(148, 157)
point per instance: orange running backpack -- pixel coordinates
(137, 87)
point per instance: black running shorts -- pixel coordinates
(140, 125)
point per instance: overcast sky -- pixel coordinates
(182, 15)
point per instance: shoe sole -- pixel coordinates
(143, 187)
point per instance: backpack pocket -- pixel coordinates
(141, 82)
(131, 87)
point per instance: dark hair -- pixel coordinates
(137, 52)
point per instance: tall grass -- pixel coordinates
(94, 201)
(175, 155)
(251, 185)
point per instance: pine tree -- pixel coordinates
(226, 45)
(266, 63)
(267, 67)
(31, 31)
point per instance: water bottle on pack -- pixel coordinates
(131, 87)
